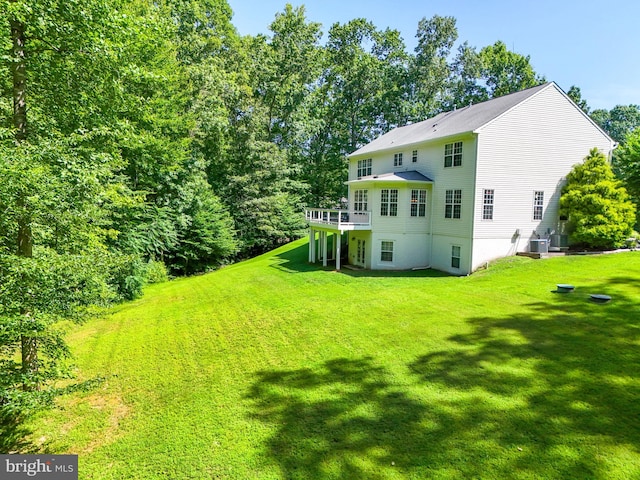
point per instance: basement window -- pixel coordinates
(455, 256)
(386, 251)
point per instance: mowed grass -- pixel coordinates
(273, 368)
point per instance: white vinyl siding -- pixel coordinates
(530, 148)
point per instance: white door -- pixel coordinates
(361, 253)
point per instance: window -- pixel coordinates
(397, 160)
(389, 203)
(364, 167)
(453, 154)
(455, 256)
(360, 203)
(453, 204)
(538, 205)
(414, 156)
(386, 251)
(418, 203)
(487, 205)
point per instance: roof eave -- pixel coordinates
(412, 144)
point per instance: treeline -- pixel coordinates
(201, 146)
(140, 136)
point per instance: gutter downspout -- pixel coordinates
(431, 225)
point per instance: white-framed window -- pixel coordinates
(453, 204)
(397, 160)
(418, 203)
(360, 201)
(538, 205)
(414, 156)
(364, 167)
(453, 154)
(487, 204)
(389, 202)
(455, 256)
(386, 251)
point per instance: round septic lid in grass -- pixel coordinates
(600, 298)
(564, 288)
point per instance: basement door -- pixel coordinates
(361, 253)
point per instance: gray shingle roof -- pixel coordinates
(409, 176)
(446, 124)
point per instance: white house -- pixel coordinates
(459, 189)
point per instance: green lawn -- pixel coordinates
(273, 368)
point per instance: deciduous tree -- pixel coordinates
(627, 168)
(598, 207)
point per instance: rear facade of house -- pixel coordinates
(461, 189)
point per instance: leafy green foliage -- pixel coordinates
(204, 229)
(619, 121)
(36, 294)
(598, 207)
(627, 167)
(575, 94)
(155, 272)
(430, 70)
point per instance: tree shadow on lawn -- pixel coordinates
(342, 420)
(13, 434)
(559, 382)
(551, 392)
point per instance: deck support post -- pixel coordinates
(324, 248)
(337, 243)
(312, 245)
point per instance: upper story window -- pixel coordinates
(389, 202)
(364, 167)
(453, 204)
(414, 156)
(538, 205)
(453, 154)
(418, 203)
(397, 160)
(487, 205)
(360, 201)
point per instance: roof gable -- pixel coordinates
(446, 124)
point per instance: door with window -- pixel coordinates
(361, 252)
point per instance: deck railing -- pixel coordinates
(342, 219)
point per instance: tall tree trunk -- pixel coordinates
(19, 74)
(29, 344)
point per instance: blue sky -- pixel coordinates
(594, 45)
